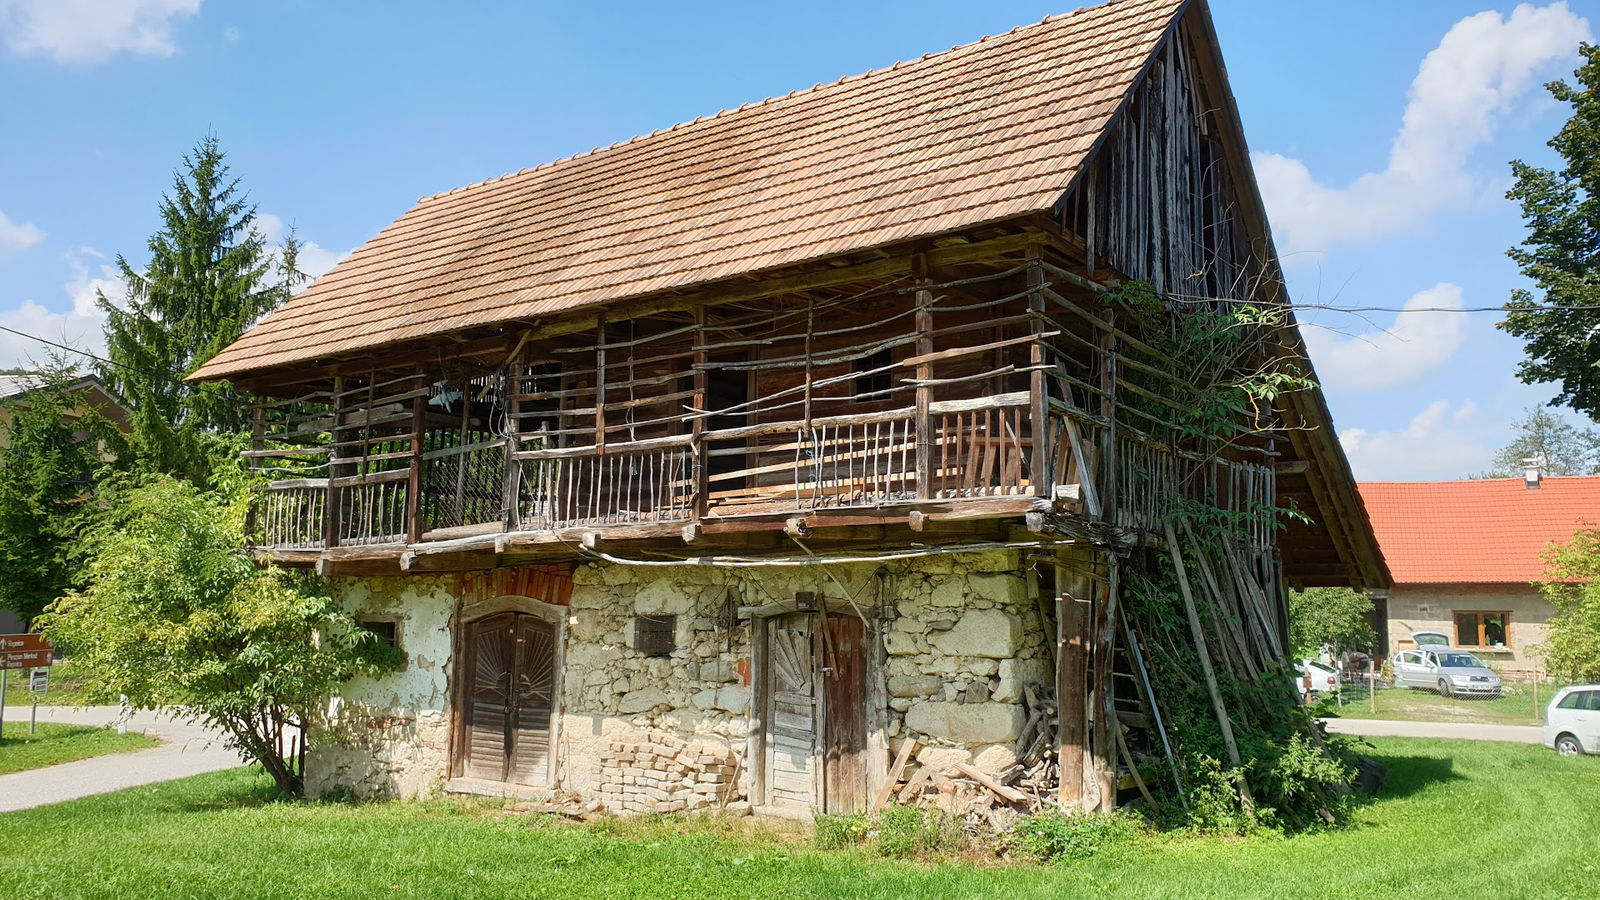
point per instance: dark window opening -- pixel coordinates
(388, 632)
(655, 635)
(870, 383)
(1483, 629)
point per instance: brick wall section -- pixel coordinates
(660, 773)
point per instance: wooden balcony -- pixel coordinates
(898, 405)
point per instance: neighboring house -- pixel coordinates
(707, 467)
(1464, 556)
(87, 391)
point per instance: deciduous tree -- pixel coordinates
(1337, 617)
(173, 614)
(46, 468)
(1565, 448)
(1560, 323)
(1572, 585)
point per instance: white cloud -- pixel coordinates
(91, 31)
(1417, 342)
(1438, 443)
(81, 327)
(18, 235)
(1478, 74)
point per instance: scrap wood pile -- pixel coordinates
(973, 796)
(1205, 615)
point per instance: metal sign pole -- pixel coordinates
(3, 702)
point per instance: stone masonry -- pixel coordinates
(961, 637)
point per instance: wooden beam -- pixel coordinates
(1072, 680)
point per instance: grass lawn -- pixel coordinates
(1514, 706)
(65, 688)
(53, 743)
(1459, 819)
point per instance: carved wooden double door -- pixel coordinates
(815, 718)
(509, 702)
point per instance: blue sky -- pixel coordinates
(1381, 132)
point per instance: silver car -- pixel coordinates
(1453, 673)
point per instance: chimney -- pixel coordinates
(1532, 470)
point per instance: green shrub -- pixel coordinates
(1213, 796)
(835, 832)
(1054, 836)
(905, 831)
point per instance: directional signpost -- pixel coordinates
(21, 651)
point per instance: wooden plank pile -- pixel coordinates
(978, 798)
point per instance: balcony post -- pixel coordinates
(419, 409)
(1040, 470)
(330, 515)
(700, 466)
(924, 373)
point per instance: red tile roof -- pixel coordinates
(1484, 531)
(975, 134)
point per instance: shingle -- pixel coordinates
(1483, 531)
(951, 140)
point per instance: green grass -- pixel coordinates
(66, 688)
(1459, 819)
(53, 743)
(1515, 706)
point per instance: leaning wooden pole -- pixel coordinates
(1199, 636)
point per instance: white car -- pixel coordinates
(1572, 721)
(1313, 678)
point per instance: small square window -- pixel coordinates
(871, 384)
(388, 631)
(655, 635)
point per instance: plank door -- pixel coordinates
(792, 716)
(534, 701)
(844, 700)
(509, 698)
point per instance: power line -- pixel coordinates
(1201, 298)
(223, 395)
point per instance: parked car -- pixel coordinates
(1427, 639)
(1453, 673)
(1572, 720)
(1313, 678)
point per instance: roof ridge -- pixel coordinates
(1485, 480)
(800, 92)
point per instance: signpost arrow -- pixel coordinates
(21, 651)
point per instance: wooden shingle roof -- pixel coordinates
(979, 133)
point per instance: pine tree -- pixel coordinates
(1562, 251)
(211, 275)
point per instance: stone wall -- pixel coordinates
(389, 736)
(961, 637)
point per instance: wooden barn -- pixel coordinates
(796, 458)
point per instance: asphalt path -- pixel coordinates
(1470, 731)
(186, 749)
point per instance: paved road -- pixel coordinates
(185, 750)
(1472, 731)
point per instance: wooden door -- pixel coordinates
(510, 700)
(816, 728)
(791, 716)
(844, 702)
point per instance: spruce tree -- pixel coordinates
(210, 276)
